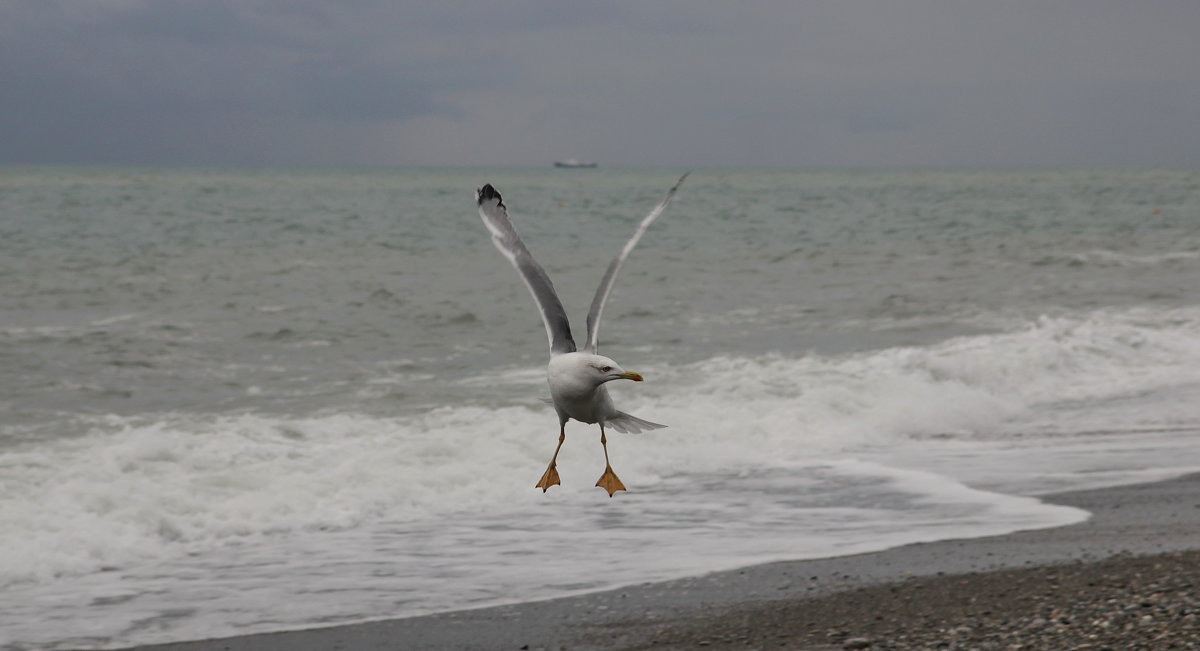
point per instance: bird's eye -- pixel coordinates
(605, 369)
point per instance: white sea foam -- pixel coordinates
(119, 318)
(137, 491)
(135, 486)
(1109, 258)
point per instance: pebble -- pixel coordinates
(1121, 604)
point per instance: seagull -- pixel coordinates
(576, 378)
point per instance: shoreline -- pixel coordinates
(1126, 523)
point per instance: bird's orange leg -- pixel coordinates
(609, 480)
(550, 477)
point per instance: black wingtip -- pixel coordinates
(487, 193)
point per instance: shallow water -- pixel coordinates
(241, 401)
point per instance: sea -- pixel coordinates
(244, 400)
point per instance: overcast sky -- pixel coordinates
(694, 83)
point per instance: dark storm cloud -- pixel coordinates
(196, 22)
(1078, 83)
(364, 93)
(192, 82)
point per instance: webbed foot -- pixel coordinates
(549, 478)
(610, 482)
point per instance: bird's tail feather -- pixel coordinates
(623, 422)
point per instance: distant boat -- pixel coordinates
(571, 162)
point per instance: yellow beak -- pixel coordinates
(630, 375)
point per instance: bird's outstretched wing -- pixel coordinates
(606, 283)
(504, 236)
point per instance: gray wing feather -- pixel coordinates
(606, 283)
(623, 422)
(504, 236)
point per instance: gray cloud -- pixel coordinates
(932, 83)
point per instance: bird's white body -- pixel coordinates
(577, 390)
(577, 386)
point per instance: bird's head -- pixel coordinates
(602, 369)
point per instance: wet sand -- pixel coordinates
(1093, 583)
